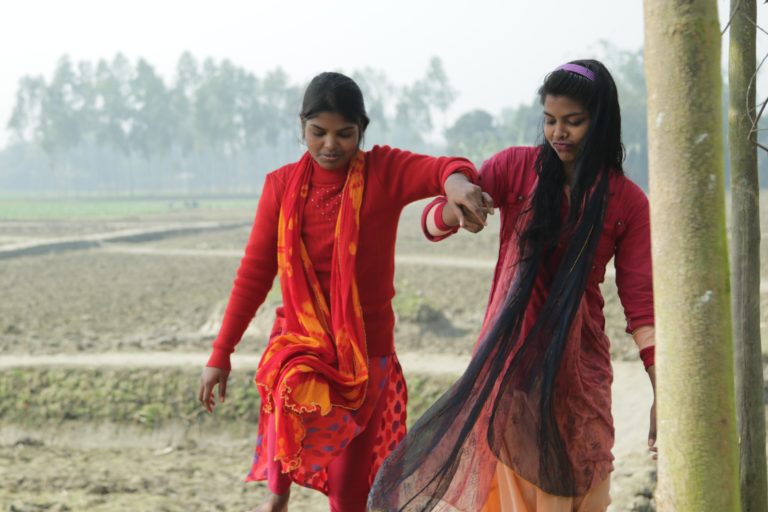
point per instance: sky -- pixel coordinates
(495, 52)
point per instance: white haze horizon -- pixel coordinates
(495, 52)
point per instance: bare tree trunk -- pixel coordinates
(745, 254)
(698, 453)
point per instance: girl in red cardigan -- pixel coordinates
(528, 427)
(332, 392)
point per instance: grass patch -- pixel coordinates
(93, 208)
(146, 397)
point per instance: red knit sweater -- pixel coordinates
(394, 178)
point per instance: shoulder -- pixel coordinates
(511, 170)
(516, 159)
(279, 177)
(377, 152)
(627, 193)
(516, 155)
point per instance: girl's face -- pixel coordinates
(566, 122)
(331, 140)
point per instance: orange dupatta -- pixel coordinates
(320, 360)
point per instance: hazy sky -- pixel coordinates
(495, 51)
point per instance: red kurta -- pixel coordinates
(509, 177)
(583, 402)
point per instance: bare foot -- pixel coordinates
(275, 503)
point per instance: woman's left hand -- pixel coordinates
(466, 200)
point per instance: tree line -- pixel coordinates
(118, 127)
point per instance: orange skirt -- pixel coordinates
(511, 493)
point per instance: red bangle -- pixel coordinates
(648, 355)
(439, 222)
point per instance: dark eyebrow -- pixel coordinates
(567, 115)
(318, 127)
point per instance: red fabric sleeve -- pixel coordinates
(254, 277)
(634, 276)
(509, 174)
(491, 182)
(408, 177)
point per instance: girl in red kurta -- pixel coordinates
(333, 396)
(528, 428)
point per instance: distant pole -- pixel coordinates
(698, 452)
(745, 255)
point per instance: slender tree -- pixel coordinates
(745, 256)
(698, 453)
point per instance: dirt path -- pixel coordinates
(13, 248)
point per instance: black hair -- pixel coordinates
(539, 357)
(338, 94)
(602, 151)
(435, 458)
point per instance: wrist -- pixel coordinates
(444, 220)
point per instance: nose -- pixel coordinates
(330, 142)
(560, 132)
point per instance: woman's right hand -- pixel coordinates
(470, 223)
(208, 380)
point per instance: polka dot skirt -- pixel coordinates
(327, 436)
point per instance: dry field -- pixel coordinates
(88, 433)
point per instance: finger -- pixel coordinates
(459, 213)
(211, 403)
(222, 388)
(488, 201)
(207, 395)
(475, 213)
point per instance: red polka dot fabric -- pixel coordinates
(328, 436)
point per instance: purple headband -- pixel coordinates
(579, 70)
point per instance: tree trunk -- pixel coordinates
(698, 452)
(745, 257)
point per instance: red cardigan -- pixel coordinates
(394, 178)
(510, 176)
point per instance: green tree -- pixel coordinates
(113, 118)
(25, 119)
(153, 123)
(60, 122)
(473, 135)
(698, 452)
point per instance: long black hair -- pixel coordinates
(540, 355)
(336, 93)
(482, 411)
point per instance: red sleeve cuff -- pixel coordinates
(220, 359)
(462, 166)
(648, 355)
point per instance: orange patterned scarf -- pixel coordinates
(320, 360)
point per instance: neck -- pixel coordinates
(568, 170)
